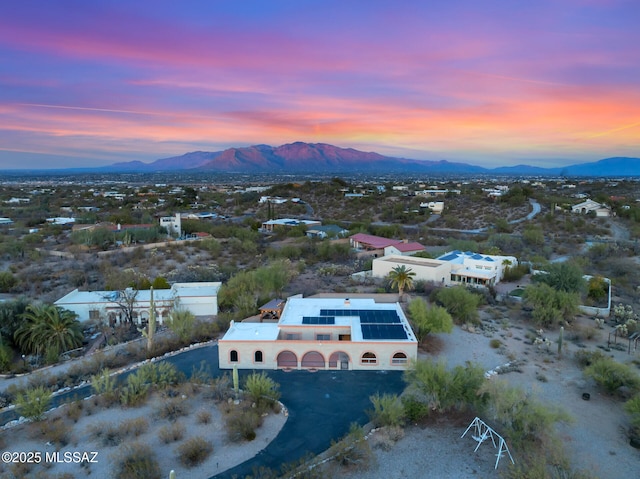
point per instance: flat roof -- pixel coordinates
(251, 332)
(430, 263)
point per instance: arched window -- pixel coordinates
(369, 358)
(257, 357)
(399, 358)
(233, 356)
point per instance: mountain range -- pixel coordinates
(300, 157)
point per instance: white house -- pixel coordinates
(173, 224)
(323, 333)
(199, 298)
(477, 269)
(436, 207)
(404, 248)
(271, 225)
(454, 267)
(589, 206)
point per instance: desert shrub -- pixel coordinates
(194, 451)
(106, 433)
(445, 389)
(105, 385)
(203, 417)
(201, 374)
(632, 406)
(241, 424)
(160, 375)
(353, 450)
(136, 461)
(33, 403)
(387, 410)
(220, 389)
(6, 355)
(495, 343)
(261, 389)
(171, 433)
(172, 409)
(587, 358)
(612, 375)
(415, 408)
(55, 431)
(134, 427)
(514, 273)
(74, 410)
(527, 421)
(135, 392)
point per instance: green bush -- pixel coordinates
(528, 423)
(194, 451)
(134, 427)
(261, 389)
(612, 375)
(33, 403)
(104, 384)
(461, 304)
(387, 410)
(136, 461)
(135, 392)
(415, 409)
(445, 389)
(587, 358)
(160, 374)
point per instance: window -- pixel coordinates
(257, 357)
(233, 356)
(294, 336)
(399, 358)
(369, 358)
(94, 314)
(323, 337)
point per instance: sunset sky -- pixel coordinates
(492, 82)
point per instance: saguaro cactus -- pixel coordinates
(236, 385)
(150, 330)
(560, 338)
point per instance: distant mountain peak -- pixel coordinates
(299, 156)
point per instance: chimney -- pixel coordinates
(347, 302)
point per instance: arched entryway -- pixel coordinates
(313, 359)
(339, 359)
(287, 359)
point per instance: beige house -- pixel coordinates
(425, 269)
(323, 333)
(589, 206)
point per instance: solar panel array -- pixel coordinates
(383, 331)
(318, 320)
(375, 323)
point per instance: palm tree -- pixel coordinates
(402, 277)
(48, 330)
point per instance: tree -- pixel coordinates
(7, 281)
(149, 330)
(563, 276)
(402, 277)
(548, 306)
(48, 330)
(160, 283)
(11, 318)
(460, 303)
(181, 322)
(427, 319)
(125, 300)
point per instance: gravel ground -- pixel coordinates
(595, 440)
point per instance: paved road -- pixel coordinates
(322, 406)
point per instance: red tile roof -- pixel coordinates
(374, 242)
(406, 247)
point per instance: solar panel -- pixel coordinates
(318, 320)
(383, 331)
